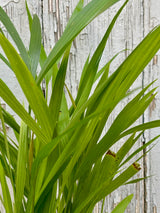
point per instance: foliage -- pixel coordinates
(60, 163)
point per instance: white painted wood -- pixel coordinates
(134, 23)
(151, 19)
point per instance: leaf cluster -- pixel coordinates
(60, 162)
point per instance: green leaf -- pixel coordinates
(116, 88)
(15, 36)
(5, 60)
(52, 206)
(86, 15)
(29, 16)
(6, 144)
(5, 191)
(31, 90)
(108, 187)
(12, 150)
(105, 68)
(11, 100)
(137, 180)
(91, 70)
(57, 91)
(63, 116)
(71, 97)
(119, 125)
(21, 167)
(140, 149)
(141, 127)
(103, 171)
(77, 9)
(125, 148)
(52, 73)
(45, 152)
(35, 44)
(121, 207)
(10, 121)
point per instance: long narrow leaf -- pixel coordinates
(86, 15)
(5, 60)
(29, 16)
(121, 207)
(5, 191)
(15, 36)
(10, 121)
(21, 167)
(109, 187)
(88, 79)
(122, 80)
(35, 44)
(57, 91)
(11, 100)
(140, 149)
(6, 144)
(141, 127)
(28, 85)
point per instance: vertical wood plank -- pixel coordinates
(152, 18)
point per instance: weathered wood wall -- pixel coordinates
(134, 23)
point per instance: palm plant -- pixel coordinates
(59, 162)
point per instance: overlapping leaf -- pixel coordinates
(54, 178)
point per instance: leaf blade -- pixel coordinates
(123, 204)
(28, 85)
(35, 44)
(21, 167)
(15, 36)
(86, 15)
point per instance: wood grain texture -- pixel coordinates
(151, 19)
(137, 19)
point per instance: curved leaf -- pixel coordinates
(86, 15)
(32, 92)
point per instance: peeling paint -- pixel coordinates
(155, 209)
(58, 18)
(152, 106)
(4, 3)
(50, 6)
(155, 60)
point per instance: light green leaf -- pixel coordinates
(12, 151)
(11, 100)
(77, 9)
(29, 16)
(57, 91)
(35, 44)
(10, 120)
(116, 87)
(5, 191)
(5, 60)
(15, 36)
(6, 144)
(31, 90)
(141, 127)
(90, 72)
(108, 187)
(121, 207)
(140, 149)
(21, 167)
(86, 15)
